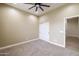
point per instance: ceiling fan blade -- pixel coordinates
(36, 8)
(45, 5)
(32, 7)
(41, 8)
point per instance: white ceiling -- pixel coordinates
(25, 7)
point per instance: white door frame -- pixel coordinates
(66, 24)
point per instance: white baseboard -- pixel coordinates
(72, 36)
(16, 44)
(54, 43)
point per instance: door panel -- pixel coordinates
(44, 31)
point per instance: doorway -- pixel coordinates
(44, 31)
(72, 33)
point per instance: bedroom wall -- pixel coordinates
(16, 26)
(57, 19)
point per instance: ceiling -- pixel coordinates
(25, 7)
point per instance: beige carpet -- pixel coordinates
(38, 48)
(72, 43)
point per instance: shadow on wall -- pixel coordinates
(16, 25)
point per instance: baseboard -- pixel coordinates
(16, 44)
(72, 36)
(54, 43)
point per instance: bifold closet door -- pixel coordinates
(44, 31)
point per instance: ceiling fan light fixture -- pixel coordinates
(37, 5)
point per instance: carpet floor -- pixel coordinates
(38, 48)
(72, 43)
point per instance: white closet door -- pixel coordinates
(44, 31)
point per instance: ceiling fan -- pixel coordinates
(37, 5)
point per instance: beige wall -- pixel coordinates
(72, 27)
(16, 25)
(57, 19)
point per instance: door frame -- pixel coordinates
(65, 23)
